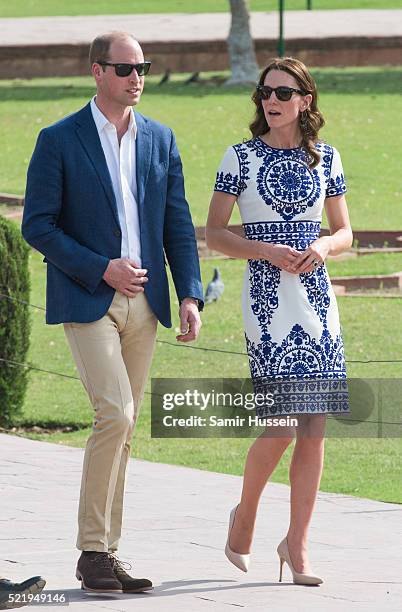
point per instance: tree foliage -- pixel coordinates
(14, 320)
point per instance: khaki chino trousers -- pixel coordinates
(113, 356)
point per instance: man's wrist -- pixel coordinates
(195, 301)
(106, 270)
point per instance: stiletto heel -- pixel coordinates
(281, 561)
(239, 560)
(298, 577)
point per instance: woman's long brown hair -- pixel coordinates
(312, 120)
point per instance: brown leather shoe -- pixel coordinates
(129, 584)
(94, 569)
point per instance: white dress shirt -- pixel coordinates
(121, 163)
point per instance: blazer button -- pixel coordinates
(117, 233)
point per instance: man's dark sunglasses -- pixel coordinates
(282, 92)
(124, 70)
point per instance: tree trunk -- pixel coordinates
(242, 57)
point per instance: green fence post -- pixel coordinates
(281, 41)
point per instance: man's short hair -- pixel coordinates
(100, 46)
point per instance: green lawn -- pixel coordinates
(351, 462)
(367, 265)
(361, 106)
(28, 8)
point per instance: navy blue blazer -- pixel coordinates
(70, 215)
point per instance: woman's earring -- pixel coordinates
(303, 119)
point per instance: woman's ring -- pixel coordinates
(315, 263)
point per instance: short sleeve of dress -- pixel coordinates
(336, 184)
(228, 177)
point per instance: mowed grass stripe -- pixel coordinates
(361, 107)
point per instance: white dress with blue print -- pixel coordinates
(292, 330)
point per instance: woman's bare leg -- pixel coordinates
(305, 475)
(262, 459)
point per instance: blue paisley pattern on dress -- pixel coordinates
(228, 183)
(288, 186)
(292, 329)
(317, 286)
(300, 359)
(336, 186)
(295, 397)
(243, 165)
(297, 234)
(234, 183)
(264, 280)
(298, 355)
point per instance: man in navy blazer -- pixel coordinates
(105, 204)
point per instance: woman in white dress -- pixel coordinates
(281, 179)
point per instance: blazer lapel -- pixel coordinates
(143, 149)
(89, 138)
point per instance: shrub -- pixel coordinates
(14, 320)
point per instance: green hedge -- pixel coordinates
(14, 320)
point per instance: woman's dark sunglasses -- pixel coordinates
(282, 92)
(124, 70)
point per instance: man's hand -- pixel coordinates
(125, 276)
(190, 321)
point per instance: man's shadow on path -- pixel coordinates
(165, 589)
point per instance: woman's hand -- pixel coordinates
(281, 256)
(314, 256)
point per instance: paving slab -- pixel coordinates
(174, 532)
(179, 27)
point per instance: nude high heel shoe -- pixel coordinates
(239, 560)
(298, 578)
